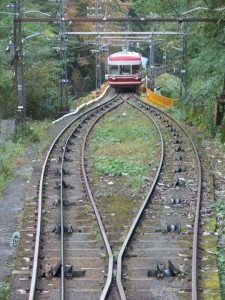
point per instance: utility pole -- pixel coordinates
(97, 44)
(125, 45)
(97, 51)
(183, 71)
(106, 40)
(152, 61)
(64, 108)
(18, 62)
(164, 62)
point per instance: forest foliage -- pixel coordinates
(201, 86)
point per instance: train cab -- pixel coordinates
(124, 69)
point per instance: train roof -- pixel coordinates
(123, 56)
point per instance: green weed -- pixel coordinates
(123, 144)
(219, 207)
(12, 152)
(4, 288)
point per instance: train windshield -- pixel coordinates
(135, 69)
(114, 70)
(125, 70)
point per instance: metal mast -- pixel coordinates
(106, 40)
(18, 62)
(125, 46)
(97, 51)
(152, 61)
(62, 49)
(183, 71)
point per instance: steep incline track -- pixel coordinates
(152, 251)
(161, 247)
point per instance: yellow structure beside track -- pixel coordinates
(150, 97)
(159, 100)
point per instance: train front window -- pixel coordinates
(125, 70)
(113, 70)
(135, 69)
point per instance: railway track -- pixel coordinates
(160, 257)
(156, 256)
(69, 238)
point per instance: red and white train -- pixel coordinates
(124, 69)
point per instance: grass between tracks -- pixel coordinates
(123, 156)
(124, 145)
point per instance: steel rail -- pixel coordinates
(196, 224)
(62, 225)
(100, 224)
(40, 195)
(139, 214)
(62, 217)
(194, 293)
(37, 242)
(197, 211)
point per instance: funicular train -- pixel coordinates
(124, 70)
